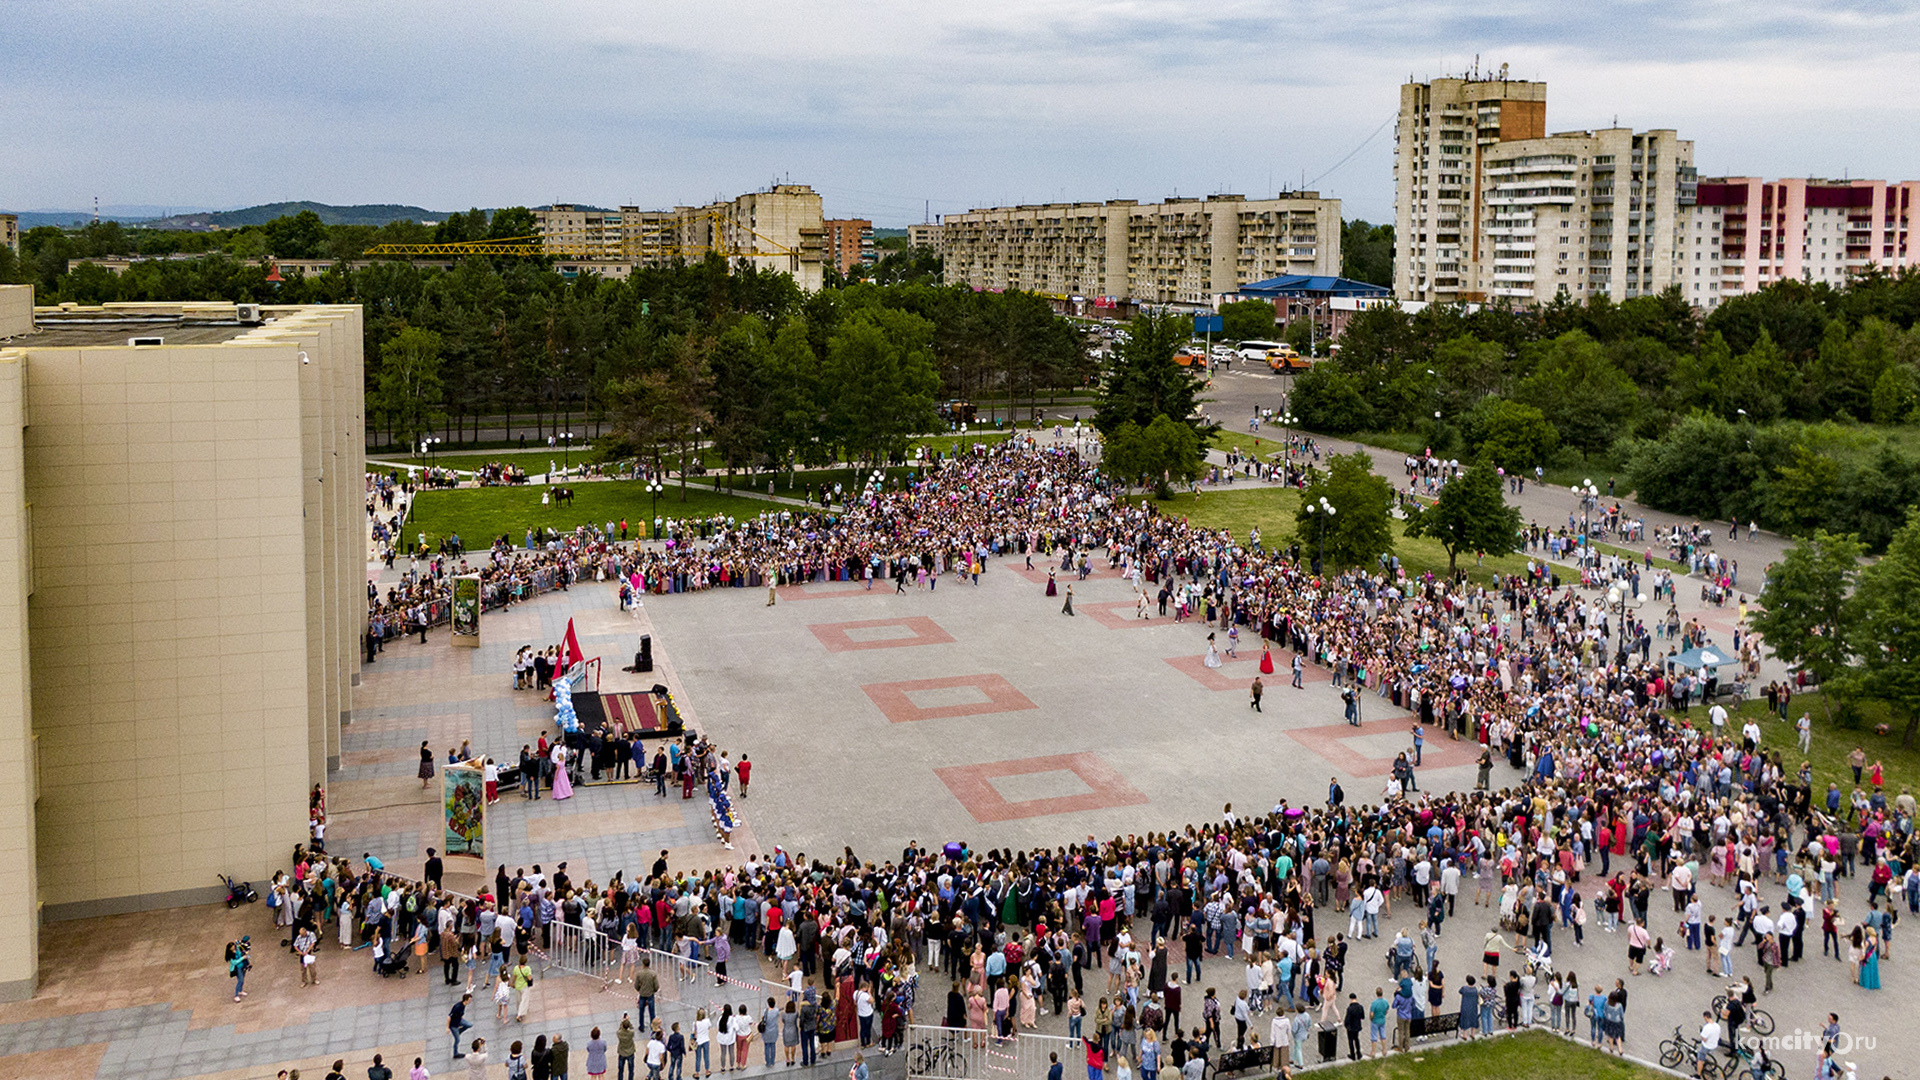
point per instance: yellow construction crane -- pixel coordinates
(617, 243)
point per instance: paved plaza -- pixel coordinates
(975, 713)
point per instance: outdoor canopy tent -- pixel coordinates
(1701, 658)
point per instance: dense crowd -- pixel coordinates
(1609, 801)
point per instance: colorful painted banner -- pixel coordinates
(465, 811)
(466, 610)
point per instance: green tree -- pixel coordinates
(1328, 400)
(1246, 320)
(1886, 614)
(1471, 514)
(1805, 615)
(1366, 253)
(1360, 529)
(1589, 401)
(1163, 452)
(879, 381)
(1143, 382)
(1894, 395)
(408, 387)
(1509, 435)
(511, 221)
(1468, 369)
(300, 236)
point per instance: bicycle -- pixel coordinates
(1758, 1019)
(1682, 1051)
(930, 1057)
(1740, 1061)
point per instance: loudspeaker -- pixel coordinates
(643, 660)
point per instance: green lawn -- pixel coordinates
(1531, 1055)
(480, 514)
(1831, 744)
(1271, 509)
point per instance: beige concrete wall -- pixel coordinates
(16, 310)
(19, 900)
(199, 572)
(169, 626)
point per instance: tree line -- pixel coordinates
(1794, 406)
(762, 369)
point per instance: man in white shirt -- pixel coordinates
(1709, 1043)
(1718, 714)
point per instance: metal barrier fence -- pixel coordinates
(945, 1053)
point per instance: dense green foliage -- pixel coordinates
(671, 354)
(1471, 514)
(1852, 628)
(1246, 320)
(1160, 453)
(1366, 253)
(1758, 410)
(1360, 529)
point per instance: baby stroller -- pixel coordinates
(391, 963)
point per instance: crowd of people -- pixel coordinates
(1610, 800)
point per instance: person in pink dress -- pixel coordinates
(562, 785)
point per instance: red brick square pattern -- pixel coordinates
(1195, 667)
(1120, 614)
(1334, 742)
(1038, 575)
(897, 705)
(846, 636)
(973, 786)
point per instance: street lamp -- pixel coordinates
(566, 459)
(1287, 421)
(1321, 511)
(654, 488)
(1617, 596)
(1586, 493)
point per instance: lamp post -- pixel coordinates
(654, 488)
(1321, 511)
(1287, 421)
(1617, 597)
(1586, 493)
(566, 459)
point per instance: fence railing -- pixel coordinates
(945, 1053)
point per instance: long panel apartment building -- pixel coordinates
(1181, 251)
(779, 229)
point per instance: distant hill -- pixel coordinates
(366, 214)
(127, 215)
(885, 234)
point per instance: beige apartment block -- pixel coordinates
(1182, 251)
(923, 235)
(779, 229)
(185, 521)
(1582, 214)
(10, 231)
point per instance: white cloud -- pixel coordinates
(884, 105)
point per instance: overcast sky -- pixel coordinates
(886, 108)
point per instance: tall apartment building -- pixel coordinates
(778, 229)
(1488, 205)
(849, 242)
(1182, 251)
(1583, 214)
(1743, 233)
(1444, 127)
(182, 596)
(10, 231)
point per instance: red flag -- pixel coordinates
(570, 653)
